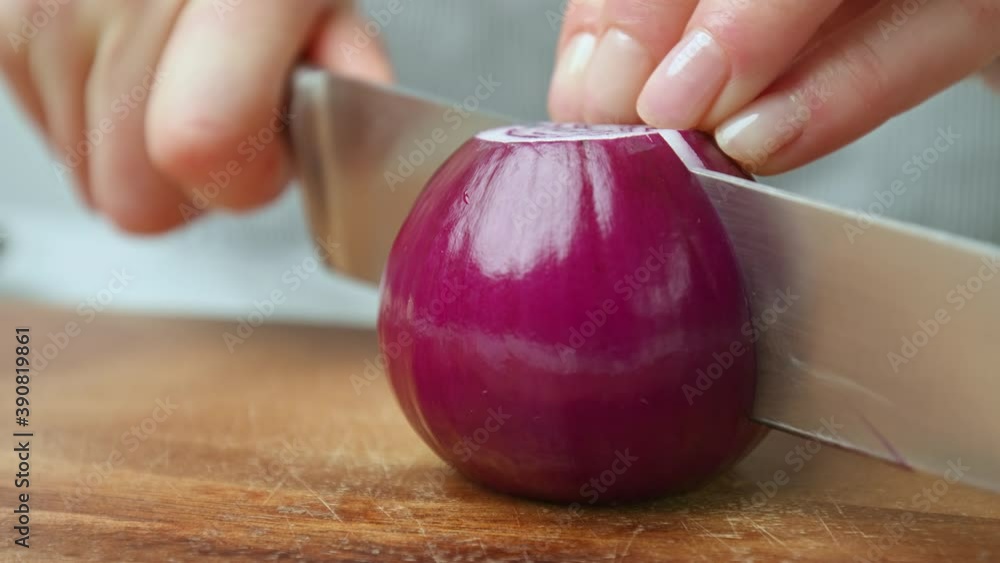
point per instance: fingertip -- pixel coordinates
(687, 82)
(562, 111)
(247, 184)
(644, 109)
(634, 36)
(142, 226)
(188, 146)
(143, 216)
(616, 73)
(134, 197)
(221, 164)
(235, 171)
(567, 90)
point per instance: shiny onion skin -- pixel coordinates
(548, 306)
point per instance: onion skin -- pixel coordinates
(485, 308)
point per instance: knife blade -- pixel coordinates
(364, 152)
(872, 335)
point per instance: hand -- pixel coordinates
(162, 109)
(781, 82)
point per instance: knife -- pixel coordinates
(871, 334)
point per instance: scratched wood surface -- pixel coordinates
(268, 453)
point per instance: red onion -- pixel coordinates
(549, 306)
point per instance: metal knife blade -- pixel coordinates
(872, 335)
(364, 152)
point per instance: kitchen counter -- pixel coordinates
(166, 440)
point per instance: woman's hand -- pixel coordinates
(162, 109)
(781, 82)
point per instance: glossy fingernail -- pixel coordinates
(616, 75)
(566, 94)
(683, 87)
(753, 136)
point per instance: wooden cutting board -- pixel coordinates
(154, 441)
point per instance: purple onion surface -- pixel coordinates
(563, 317)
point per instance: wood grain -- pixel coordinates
(271, 454)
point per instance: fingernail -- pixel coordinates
(566, 94)
(682, 89)
(756, 134)
(616, 75)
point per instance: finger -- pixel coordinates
(579, 16)
(577, 41)
(14, 60)
(636, 35)
(845, 14)
(60, 62)
(342, 45)
(859, 78)
(730, 52)
(216, 122)
(124, 183)
(19, 83)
